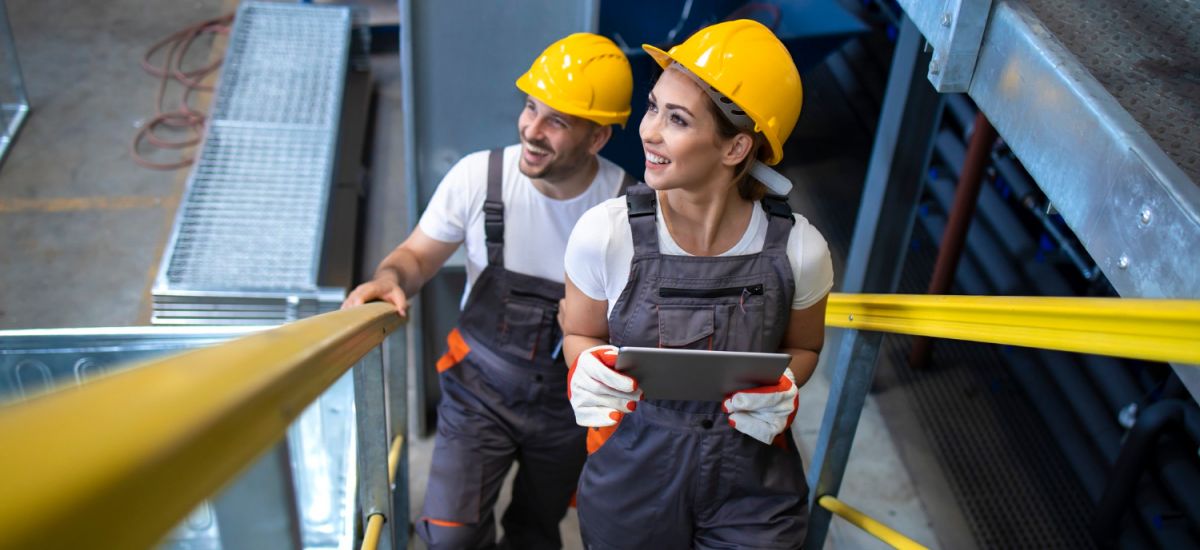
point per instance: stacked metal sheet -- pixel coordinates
(246, 245)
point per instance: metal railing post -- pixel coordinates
(370, 413)
(903, 144)
(395, 356)
(954, 238)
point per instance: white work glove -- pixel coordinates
(766, 411)
(599, 394)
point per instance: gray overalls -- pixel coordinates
(674, 474)
(503, 398)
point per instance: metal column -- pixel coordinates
(903, 144)
(463, 68)
(370, 412)
(395, 371)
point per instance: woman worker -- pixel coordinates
(698, 258)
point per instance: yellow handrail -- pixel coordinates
(880, 531)
(1154, 330)
(372, 532)
(126, 456)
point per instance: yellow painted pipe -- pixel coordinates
(394, 457)
(889, 536)
(1153, 330)
(126, 456)
(372, 532)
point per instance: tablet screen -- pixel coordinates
(699, 375)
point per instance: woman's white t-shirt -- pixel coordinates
(535, 226)
(600, 250)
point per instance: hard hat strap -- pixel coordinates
(776, 182)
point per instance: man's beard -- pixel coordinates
(557, 169)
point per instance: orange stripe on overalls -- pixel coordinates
(457, 352)
(443, 523)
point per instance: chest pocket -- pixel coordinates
(727, 318)
(529, 324)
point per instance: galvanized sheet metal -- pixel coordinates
(1146, 53)
(1104, 169)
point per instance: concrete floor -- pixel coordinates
(82, 227)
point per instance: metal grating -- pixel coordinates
(1014, 484)
(1146, 53)
(246, 246)
(253, 216)
(285, 65)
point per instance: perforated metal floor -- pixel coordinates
(1146, 53)
(1014, 484)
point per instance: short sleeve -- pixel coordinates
(812, 265)
(587, 251)
(448, 214)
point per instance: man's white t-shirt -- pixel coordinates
(536, 227)
(601, 248)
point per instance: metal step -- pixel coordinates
(1100, 102)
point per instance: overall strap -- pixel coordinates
(626, 181)
(779, 224)
(641, 200)
(493, 209)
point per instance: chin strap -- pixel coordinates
(774, 181)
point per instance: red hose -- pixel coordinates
(183, 117)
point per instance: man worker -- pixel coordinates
(504, 393)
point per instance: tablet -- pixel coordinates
(699, 375)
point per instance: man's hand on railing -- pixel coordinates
(383, 288)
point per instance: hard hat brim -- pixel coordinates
(603, 118)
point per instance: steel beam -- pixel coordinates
(370, 412)
(903, 144)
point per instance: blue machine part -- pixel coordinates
(811, 29)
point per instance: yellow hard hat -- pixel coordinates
(584, 75)
(744, 61)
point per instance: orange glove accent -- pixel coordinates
(766, 411)
(598, 393)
